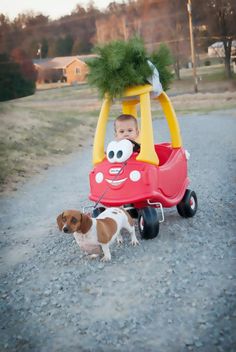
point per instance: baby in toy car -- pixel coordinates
(126, 127)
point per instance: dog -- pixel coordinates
(91, 234)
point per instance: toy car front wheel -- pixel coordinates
(148, 223)
(188, 206)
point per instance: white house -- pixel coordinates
(217, 49)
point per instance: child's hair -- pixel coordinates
(125, 117)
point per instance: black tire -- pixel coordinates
(148, 223)
(97, 211)
(188, 206)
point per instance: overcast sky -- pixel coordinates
(52, 8)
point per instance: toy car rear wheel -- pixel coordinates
(148, 223)
(188, 206)
(97, 211)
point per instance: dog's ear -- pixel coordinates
(59, 221)
(86, 223)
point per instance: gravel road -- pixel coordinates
(174, 293)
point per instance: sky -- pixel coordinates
(52, 8)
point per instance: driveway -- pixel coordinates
(174, 293)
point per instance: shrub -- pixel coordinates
(207, 63)
(12, 82)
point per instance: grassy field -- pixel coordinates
(41, 130)
(46, 126)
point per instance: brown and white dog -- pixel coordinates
(91, 233)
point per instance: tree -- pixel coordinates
(30, 19)
(156, 21)
(44, 47)
(31, 30)
(5, 26)
(79, 10)
(176, 32)
(81, 47)
(64, 45)
(26, 65)
(219, 17)
(12, 83)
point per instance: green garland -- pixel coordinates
(121, 64)
(162, 59)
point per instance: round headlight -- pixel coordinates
(99, 177)
(135, 175)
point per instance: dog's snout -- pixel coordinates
(65, 229)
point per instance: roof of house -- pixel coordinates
(220, 44)
(61, 62)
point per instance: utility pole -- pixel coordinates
(39, 52)
(189, 7)
(124, 28)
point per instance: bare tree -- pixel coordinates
(177, 33)
(5, 28)
(219, 16)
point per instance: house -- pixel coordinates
(70, 69)
(217, 49)
(234, 65)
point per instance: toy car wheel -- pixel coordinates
(188, 206)
(148, 223)
(97, 211)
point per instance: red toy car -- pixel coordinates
(155, 177)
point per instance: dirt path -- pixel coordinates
(173, 293)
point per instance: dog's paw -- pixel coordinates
(119, 240)
(93, 256)
(105, 259)
(135, 242)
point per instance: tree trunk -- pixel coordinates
(177, 69)
(228, 68)
(227, 47)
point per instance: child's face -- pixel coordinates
(126, 129)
